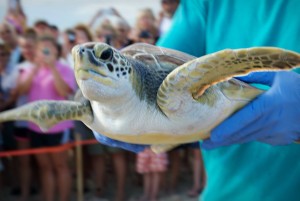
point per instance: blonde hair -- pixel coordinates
(106, 25)
(147, 12)
(86, 30)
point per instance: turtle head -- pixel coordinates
(101, 71)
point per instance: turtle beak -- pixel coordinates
(87, 66)
(84, 57)
(79, 51)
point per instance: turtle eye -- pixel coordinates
(106, 54)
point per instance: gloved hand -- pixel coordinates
(272, 118)
(115, 143)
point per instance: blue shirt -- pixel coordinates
(252, 171)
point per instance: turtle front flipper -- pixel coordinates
(199, 74)
(47, 113)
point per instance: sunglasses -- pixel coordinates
(46, 51)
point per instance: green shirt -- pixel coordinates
(252, 171)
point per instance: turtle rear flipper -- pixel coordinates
(196, 76)
(47, 113)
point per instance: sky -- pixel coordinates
(67, 13)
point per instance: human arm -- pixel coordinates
(188, 30)
(271, 118)
(62, 75)
(24, 81)
(105, 12)
(61, 86)
(98, 14)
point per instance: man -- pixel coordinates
(250, 171)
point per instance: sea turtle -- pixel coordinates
(152, 95)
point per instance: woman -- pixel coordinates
(50, 80)
(145, 22)
(27, 43)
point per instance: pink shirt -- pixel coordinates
(42, 88)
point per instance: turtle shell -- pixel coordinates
(156, 57)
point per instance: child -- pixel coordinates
(152, 166)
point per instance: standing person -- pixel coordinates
(42, 28)
(50, 80)
(199, 178)
(151, 166)
(106, 33)
(4, 61)
(27, 43)
(250, 170)
(9, 35)
(123, 29)
(8, 93)
(120, 25)
(69, 39)
(145, 21)
(4, 65)
(145, 37)
(166, 15)
(8, 79)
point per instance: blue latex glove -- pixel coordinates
(273, 117)
(115, 143)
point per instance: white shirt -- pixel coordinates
(22, 99)
(14, 58)
(164, 25)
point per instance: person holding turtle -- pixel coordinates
(246, 170)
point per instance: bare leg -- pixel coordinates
(120, 169)
(25, 173)
(175, 163)
(203, 173)
(155, 185)
(98, 163)
(47, 176)
(147, 177)
(198, 170)
(61, 166)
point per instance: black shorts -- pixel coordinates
(46, 140)
(22, 133)
(7, 132)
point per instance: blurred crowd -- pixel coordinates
(36, 64)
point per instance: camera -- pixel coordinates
(46, 51)
(108, 39)
(71, 37)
